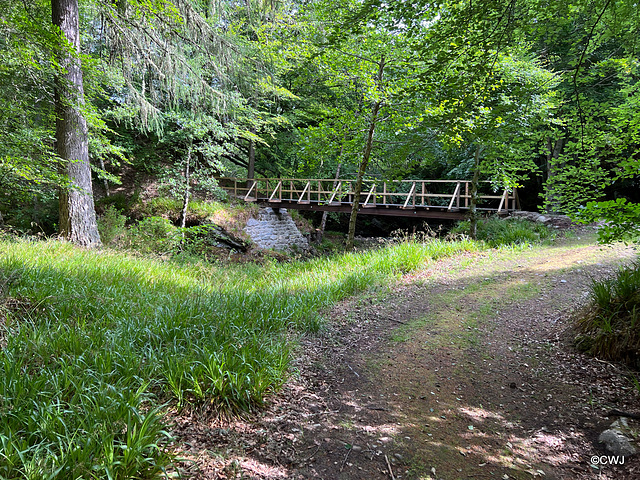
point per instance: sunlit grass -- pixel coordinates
(498, 232)
(96, 339)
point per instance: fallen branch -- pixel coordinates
(389, 467)
(345, 459)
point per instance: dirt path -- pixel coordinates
(461, 372)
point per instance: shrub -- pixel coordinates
(111, 225)
(609, 327)
(161, 207)
(495, 231)
(154, 235)
(119, 201)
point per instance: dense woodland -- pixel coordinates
(523, 93)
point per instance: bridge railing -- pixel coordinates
(450, 195)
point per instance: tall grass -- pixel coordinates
(610, 326)
(496, 232)
(96, 341)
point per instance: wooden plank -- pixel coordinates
(409, 195)
(371, 192)
(502, 200)
(247, 197)
(378, 210)
(306, 189)
(278, 189)
(456, 193)
(335, 192)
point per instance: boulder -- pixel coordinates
(619, 438)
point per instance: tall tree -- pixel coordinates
(367, 72)
(77, 213)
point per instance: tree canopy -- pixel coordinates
(519, 92)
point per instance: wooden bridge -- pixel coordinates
(441, 199)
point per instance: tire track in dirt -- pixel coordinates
(469, 375)
(462, 371)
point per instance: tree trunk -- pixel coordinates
(187, 191)
(361, 171)
(77, 213)
(325, 214)
(552, 195)
(366, 154)
(251, 166)
(473, 210)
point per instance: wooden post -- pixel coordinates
(502, 200)
(307, 190)
(456, 194)
(247, 197)
(410, 195)
(371, 192)
(278, 189)
(335, 192)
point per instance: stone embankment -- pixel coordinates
(276, 230)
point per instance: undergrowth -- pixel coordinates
(150, 227)
(609, 328)
(496, 232)
(94, 342)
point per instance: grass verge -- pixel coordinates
(609, 327)
(496, 232)
(94, 342)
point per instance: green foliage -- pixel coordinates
(161, 207)
(111, 225)
(495, 231)
(622, 219)
(118, 201)
(96, 340)
(609, 328)
(29, 169)
(171, 207)
(154, 235)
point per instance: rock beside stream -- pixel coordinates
(559, 221)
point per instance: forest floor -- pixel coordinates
(463, 370)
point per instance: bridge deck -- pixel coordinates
(444, 199)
